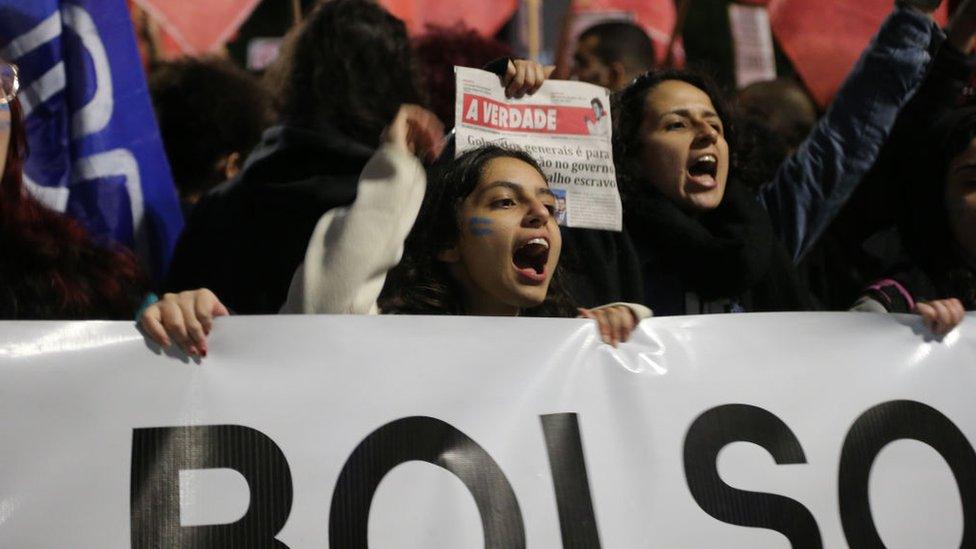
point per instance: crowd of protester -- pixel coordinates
(352, 201)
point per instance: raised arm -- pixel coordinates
(812, 185)
(352, 248)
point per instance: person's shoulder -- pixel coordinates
(597, 246)
(215, 201)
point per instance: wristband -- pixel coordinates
(150, 299)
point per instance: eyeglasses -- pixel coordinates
(9, 82)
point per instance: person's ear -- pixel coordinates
(618, 76)
(231, 165)
(449, 255)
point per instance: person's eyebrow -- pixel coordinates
(687, 113)
(966, 166)
(514, 187)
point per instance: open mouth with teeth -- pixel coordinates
(530, 259)
(704, 170)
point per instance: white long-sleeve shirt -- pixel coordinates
(353, 248)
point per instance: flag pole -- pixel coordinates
(534, 22)
(678, 31)
(296, 12)
(562, 71)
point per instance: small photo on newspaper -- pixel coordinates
(565, 126)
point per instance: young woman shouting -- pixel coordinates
(485, 243)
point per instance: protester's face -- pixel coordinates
(960, 199)
(509, 244)
(587, 67)
(684, 152)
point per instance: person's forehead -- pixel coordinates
(515, 171)
(504, 165)
(677, 95)
(966, 157)
(586, 45)
(970, 150)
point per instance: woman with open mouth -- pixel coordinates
(485, 242)
(705, 243)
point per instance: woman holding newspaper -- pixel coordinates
(485, 243)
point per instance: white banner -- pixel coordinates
(758, 430)
(565, 126)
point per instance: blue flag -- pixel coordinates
(95, 151)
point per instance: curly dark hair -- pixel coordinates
(629, 112)
(351, 68)
(50, 268)
(421, 283)
(206, 109)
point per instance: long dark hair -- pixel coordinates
(351, 68)
(50, 268)
(924, 225)
(629, 113)
(421, 283)
(206, 109)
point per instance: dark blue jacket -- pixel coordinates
(813, 184)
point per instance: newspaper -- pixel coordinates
(565, 126)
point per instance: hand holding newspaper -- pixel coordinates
(565, 126)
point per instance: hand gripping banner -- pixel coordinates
(763, 430)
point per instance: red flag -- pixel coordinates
(824, 38)
(199, 26)
(484, 17)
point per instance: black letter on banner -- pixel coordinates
(723, 425)
(577, 523)
(888, 422)
(438, 443)
(158, 456)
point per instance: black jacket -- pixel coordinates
(247, 236)
(601, 267)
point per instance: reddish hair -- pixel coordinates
(439, 49)
(50, 266)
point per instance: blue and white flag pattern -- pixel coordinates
(95, 151)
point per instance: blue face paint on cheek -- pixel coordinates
(479, 226)
(5, 120)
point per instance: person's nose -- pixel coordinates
(706, 134)
(537, 215)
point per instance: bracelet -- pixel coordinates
(149, 300)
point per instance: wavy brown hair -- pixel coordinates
(350, 68)
(421, 283)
